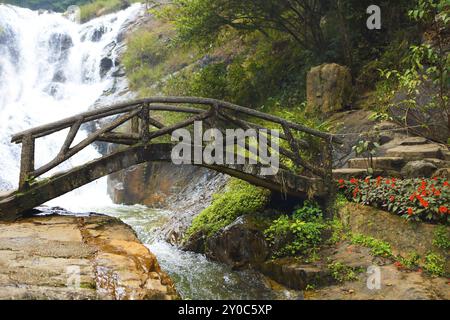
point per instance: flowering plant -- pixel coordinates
(413, 199)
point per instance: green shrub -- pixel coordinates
(442, 238)
(435, 264)
(298, 234)
(378, 247)
(238, 199)
(341, 272)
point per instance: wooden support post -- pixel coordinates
(329, 180)
(145, 124)
(26, 161)
(135, 125)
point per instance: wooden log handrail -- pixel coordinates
(161, 104)
(138, 112)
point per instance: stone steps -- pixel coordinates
(416, 152)
(382, 163)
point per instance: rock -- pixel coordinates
(413, 141)
(241, 244)
(418, 169)
(329, 88)
(348, 173)
(416, 152)
(444, 173)
(384, 163)
(295, 275)
(404, 237)
(59, 45)
(46, 258)
(98, 34)
(105, 65)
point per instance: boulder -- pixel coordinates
(78, 258)
(240, 244)
(444, 173)
(105, 65)
(418, 169)
(328, 88)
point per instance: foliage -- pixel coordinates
(442, 238)
(425, 64)
(95, 8)
(413, 199)
(378, 247)
(435, 264)
(411, 262)
(58, 5)
(342, 273)
(299, 233)
(238, 199)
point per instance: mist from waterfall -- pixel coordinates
(52, 68)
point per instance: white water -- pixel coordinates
(49, 70)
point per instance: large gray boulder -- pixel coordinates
(418, 169)
(328, 88)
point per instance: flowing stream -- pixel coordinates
(51, 68)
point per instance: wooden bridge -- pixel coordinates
(135, 127)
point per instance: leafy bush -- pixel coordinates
(378, 247)
(341, 273)
(298, 234)
(99, 7)
(435, 264)
(413, 199)
(239, 198)
(442, 238)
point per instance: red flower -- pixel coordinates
(437, 193)
(388, 181)
(367, 180)
(392, 198)
(443, 209)
(341, 181)
(353, 181)
(413, 196)
(410, 211)
(446, 184)
(355, 192)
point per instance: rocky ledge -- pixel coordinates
(62, 257)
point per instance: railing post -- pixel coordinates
(135, 125)
(145, 124)
(328, 179)
(26, 161)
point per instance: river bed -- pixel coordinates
(195, 277)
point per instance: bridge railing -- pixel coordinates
(138, 114)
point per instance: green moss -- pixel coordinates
(378, 247)
(238, 199)
(435, 264)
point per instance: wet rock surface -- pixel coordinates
(47, 257)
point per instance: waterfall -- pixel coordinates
(52, 68)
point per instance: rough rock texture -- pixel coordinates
(395, 285)
(418, 169)
(241, 244)
(416, 152)
(329, 88)
(186, 190)
(40, 256)
(405, 237)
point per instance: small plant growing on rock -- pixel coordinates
(342, 273)
(434, 264)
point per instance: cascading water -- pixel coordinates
(52, 68)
